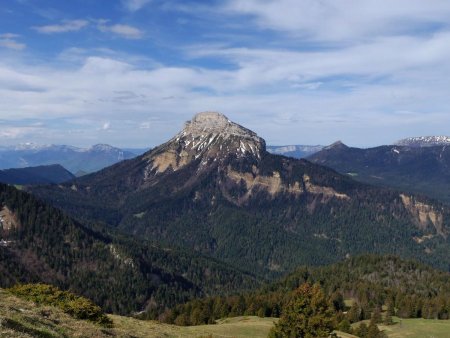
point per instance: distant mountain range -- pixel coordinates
(76, 160)
(45, 174)
(418, 168)
(215, 189)
(297, 151)
(81, 161)
(424, 141)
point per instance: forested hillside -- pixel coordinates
(410, 289)
(422, 170)
(213, 188)
(46, 174)
(41, 244)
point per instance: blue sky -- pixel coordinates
(130, 72)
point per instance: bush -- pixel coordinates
(76, 306)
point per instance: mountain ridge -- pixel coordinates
(424, 141)
(74, 159)
(422, 170)
(45, 174)
(250, 208)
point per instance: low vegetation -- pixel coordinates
(23, 318)
(76, 306)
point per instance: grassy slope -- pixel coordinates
(415, 328)
(418, 328)
(19, 318)
(232, 327)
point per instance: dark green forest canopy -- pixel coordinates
(420, 170)
(120, 273)
(371, 281)
(269, 235)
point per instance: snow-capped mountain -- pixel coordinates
(424, 141)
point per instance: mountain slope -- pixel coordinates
(39, 243)
(36, 175)
(215, 189)
(72, 158)
(423, 170)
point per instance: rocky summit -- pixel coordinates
(210, 136)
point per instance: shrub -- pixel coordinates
(76, 306)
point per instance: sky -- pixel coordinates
(130, 72)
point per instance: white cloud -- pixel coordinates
(145, 125)
(134, 5)
(9, 36)
(341, 20)
(10, 43)
(356, 88)
(125, 31)
(15, 133)
(64, 26)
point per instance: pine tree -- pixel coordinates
(372, 330)
(345, 326)
(354, 314)
(308, 314)
(376, 316)
(362, 330)
(388, 319)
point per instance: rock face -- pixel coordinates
(210, 136)
(424, 214)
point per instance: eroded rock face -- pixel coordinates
(320, 190)
(8, 221)
(424, 214)
(274, 184)
(210, 136)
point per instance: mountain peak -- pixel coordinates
(208, 121)
(102, 147)
(209, 136)
(336, 145)
(215, 134)
(215, 123)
